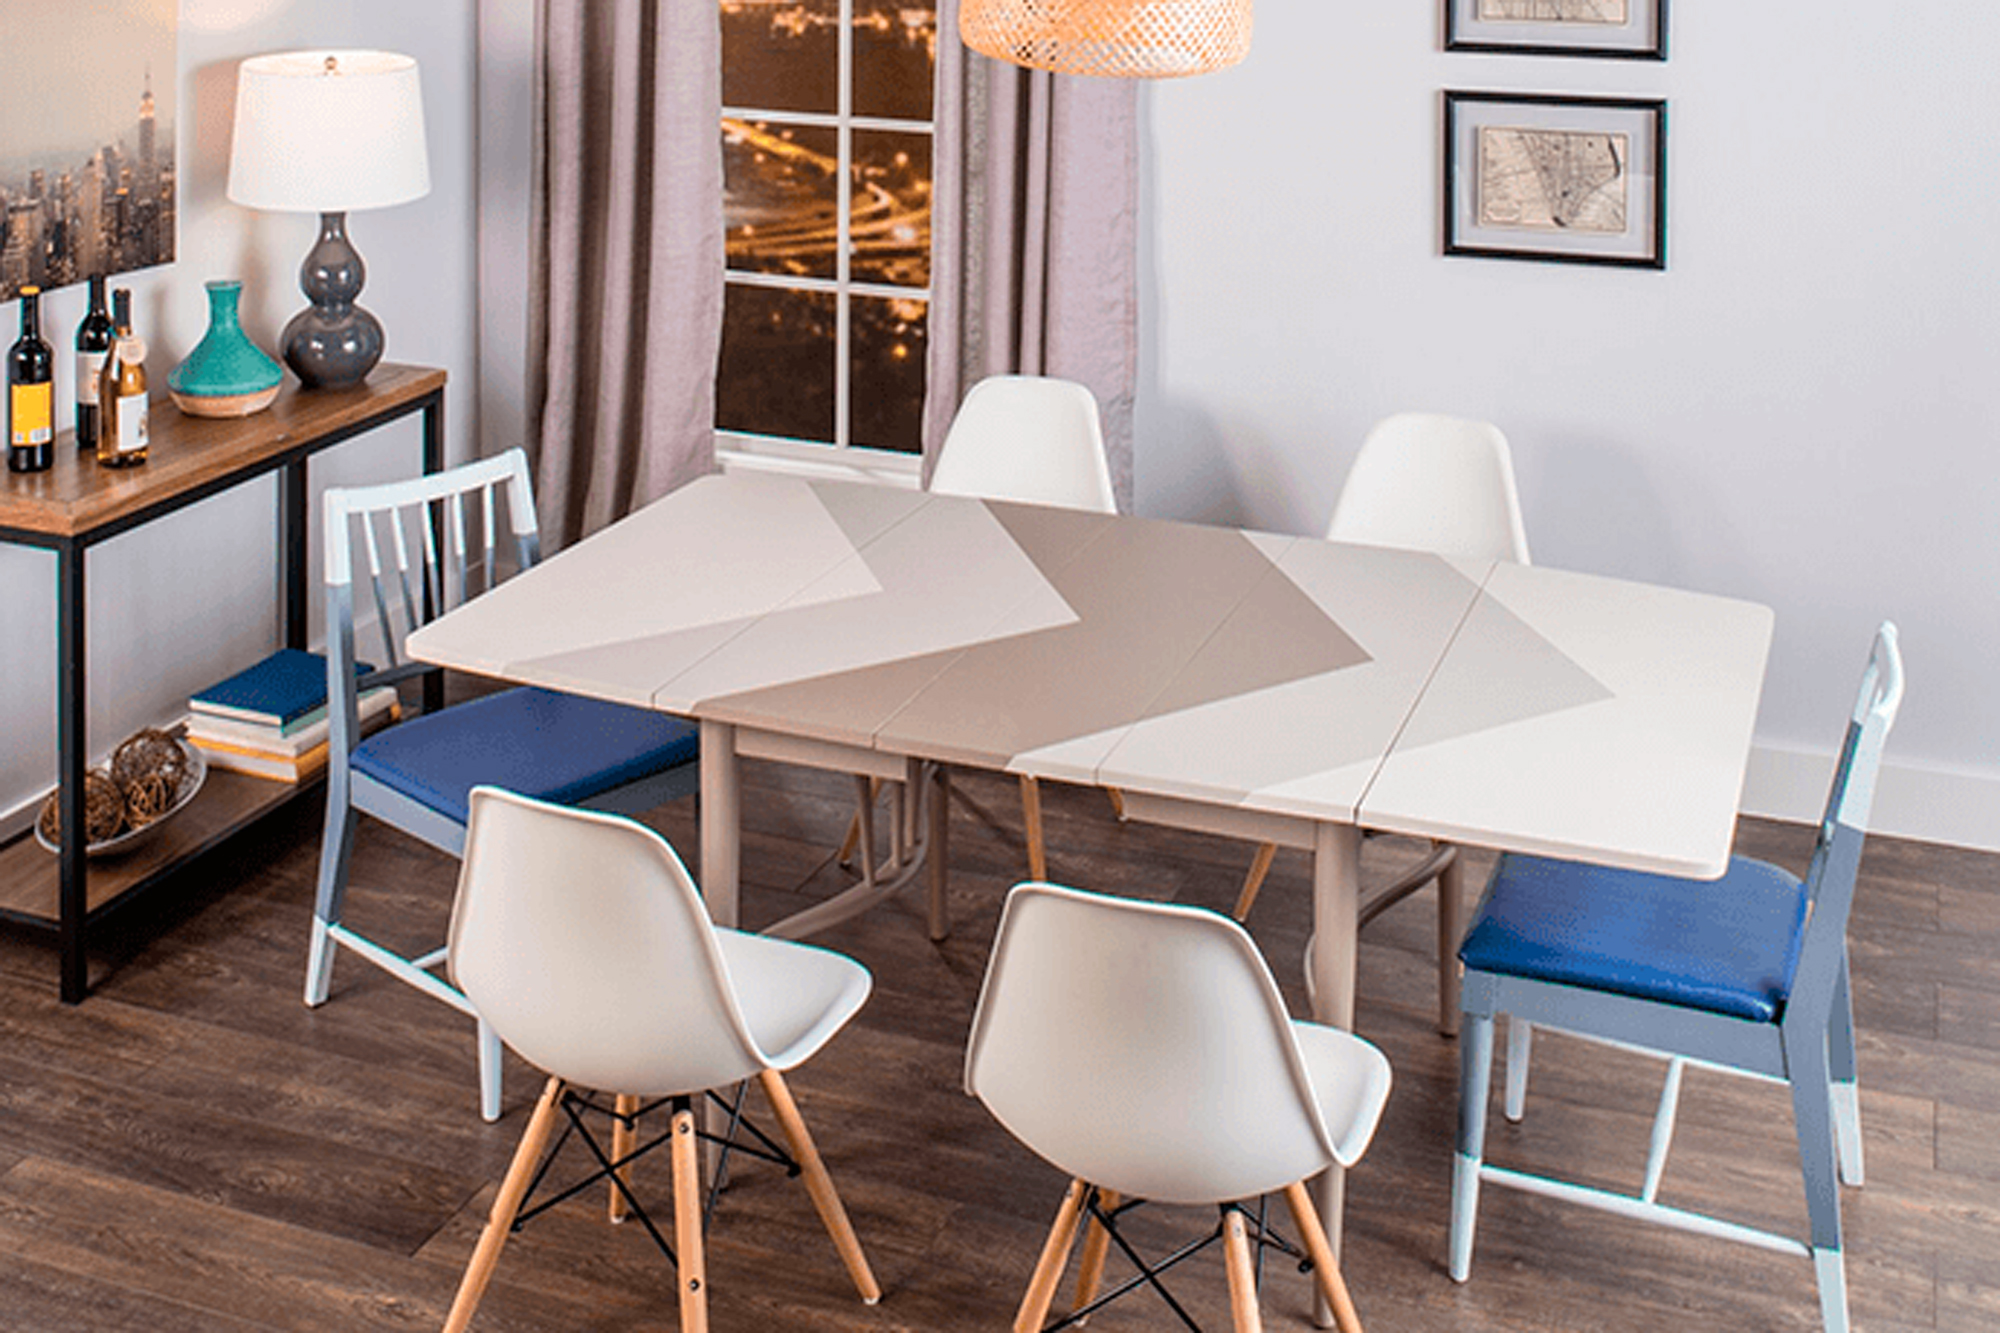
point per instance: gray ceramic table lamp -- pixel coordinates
(329, 132)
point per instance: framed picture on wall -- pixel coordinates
(88, 183)
(1618, 29)
(1576, 180)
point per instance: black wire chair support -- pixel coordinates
(577, 1106)
(1262, 1237)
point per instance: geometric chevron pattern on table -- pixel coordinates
(1281, 674)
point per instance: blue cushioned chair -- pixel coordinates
(418, 776)
(1747, 973)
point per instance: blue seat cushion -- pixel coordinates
(1728, 946)
(556, 747)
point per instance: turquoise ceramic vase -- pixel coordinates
(226, 375)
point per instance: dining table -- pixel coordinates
(1270, 687)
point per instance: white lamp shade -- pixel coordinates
(328, 132)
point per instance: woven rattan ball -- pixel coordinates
(103, 811)
(149, 797)
(146, 754)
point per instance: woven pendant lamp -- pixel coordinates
(1118, 39)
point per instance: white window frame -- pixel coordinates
(840, 456)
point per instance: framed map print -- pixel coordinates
(1627, 29)
(1579, 180)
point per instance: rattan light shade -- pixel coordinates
(1120, 39)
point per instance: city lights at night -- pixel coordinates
(783, 214)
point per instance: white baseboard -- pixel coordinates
(1927, 804)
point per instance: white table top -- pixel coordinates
(1491, 704)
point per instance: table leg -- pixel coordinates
(1336, 905)
(721, 815)
(72, 751)
(721, 866)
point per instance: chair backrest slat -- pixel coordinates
(416, 545)
(1836, 861)
(384, 625)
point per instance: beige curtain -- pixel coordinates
(626, 292)
(1034, 245)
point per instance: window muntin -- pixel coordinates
(826, 167)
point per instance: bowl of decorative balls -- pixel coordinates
(151, 778)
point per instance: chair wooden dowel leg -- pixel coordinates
(691, 1263)
(1253, 881)
(820, 1185)
(1117, 799)
(1031, 820)
(1096, 1245)
(1048, 1269)
(851, 841)
(623, 1136)
(1242, 1278)
(1325, 1268)
(505, 1205)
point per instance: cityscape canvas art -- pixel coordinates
(87, 178)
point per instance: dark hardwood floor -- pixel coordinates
(192, 1148)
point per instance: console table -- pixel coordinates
(75, 505)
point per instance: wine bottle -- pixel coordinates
(31, 392)
(121, 392)
(93, 340)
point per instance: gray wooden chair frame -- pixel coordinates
(408, 590)
(1810, 1045)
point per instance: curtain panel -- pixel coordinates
(1034, 237)
(625, 316)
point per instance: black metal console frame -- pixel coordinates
(74, 914)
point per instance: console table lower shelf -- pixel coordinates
(30, 877)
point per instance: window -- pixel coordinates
(826, 131)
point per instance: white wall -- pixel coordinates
(1798, 411)
(178, 604)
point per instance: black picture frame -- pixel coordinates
(1640, 33)
(1555, 179)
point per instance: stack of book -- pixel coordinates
(270, 721)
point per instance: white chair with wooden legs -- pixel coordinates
(1143, 1050)
(1442, 484)
(1033, 440)
(1747, 974)
(583, 941)
(421, 547)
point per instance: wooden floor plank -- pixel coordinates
(193, 1148)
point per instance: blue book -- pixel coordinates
(286, 690)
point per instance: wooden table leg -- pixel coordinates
(1336, 904)
(721, 817)
(721, 862)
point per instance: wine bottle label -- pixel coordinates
(88, 366)
(33, 414)
(132, 351)
(131, 423)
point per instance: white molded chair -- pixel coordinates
(585, 944)
(1425, 482)
(417, 776)
(1143, 1049)
(1747, 974)
(1034, 440)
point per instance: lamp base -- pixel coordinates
(333, 343)
(332, 349)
